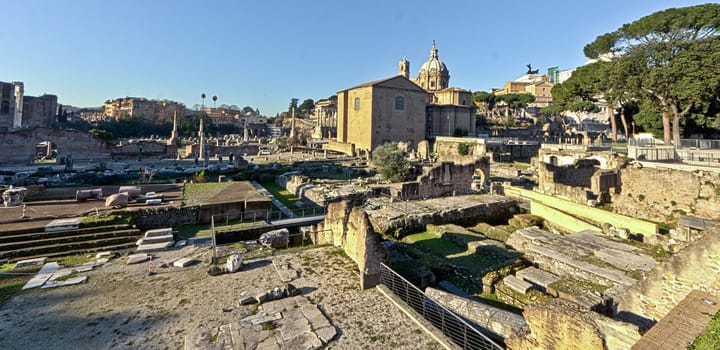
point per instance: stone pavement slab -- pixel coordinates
(29, 262)
(516, 284)
(137, 258)
(67, 282)
(537, 277)
(63, 224)
(42, 276)
(184, 262)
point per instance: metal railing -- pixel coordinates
(450, 324)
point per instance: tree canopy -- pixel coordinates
(390, 162)
(517, 101)
(669, 58)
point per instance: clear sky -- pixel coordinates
(263, 53)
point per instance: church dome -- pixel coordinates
(433, 63)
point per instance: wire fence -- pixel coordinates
(450, 324)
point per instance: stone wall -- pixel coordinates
(234, 210)
(672, 193)
(448, 146)
(151, 218)
(560, 324)
(80, 145)
(351, 229)
(582, 181)
(693, 268)
(495, 211)
(446, 178)
(345, 148)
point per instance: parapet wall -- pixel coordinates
(593, 214)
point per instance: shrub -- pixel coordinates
(463, 149)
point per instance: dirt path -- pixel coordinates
(121, 307)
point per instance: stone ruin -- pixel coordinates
(595, 271)
(14, 196)
(445, 179)
(275, 238)
(117, 200)
(350, 228)
(83, 195)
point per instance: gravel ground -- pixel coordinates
(122, 307)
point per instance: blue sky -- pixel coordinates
(263, 53)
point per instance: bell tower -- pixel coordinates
(404, 68)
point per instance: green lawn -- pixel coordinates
(281, 194)
(11, 284)
(437, 245)
(199, 192)
(455, 254)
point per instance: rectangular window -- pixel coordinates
(399, 103)
(357, 103)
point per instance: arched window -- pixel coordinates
(5, 107)
(399, 103)
(357, 103)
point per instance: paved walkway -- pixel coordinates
(285, 210)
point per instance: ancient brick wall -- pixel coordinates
(663, 195)
(445, 179)
(693, 268)
(18, 147)
(351, 229)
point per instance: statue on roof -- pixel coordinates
(530, 70)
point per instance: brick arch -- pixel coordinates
(603, 162)
(18, 147)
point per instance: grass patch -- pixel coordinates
(72, 260)
(12, 280)
(433, 243)
(194, 193)
(574, 286)
(283, 195)
(105, 219)
(710, 339)
(268, 326)
(492, 300)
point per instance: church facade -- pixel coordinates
(401, 109)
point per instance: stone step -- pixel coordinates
(115, 247)
(39, 233)
(539, 278)
(516, 284)
(44, 241)
(46, 250)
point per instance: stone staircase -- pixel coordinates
(26, 243)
